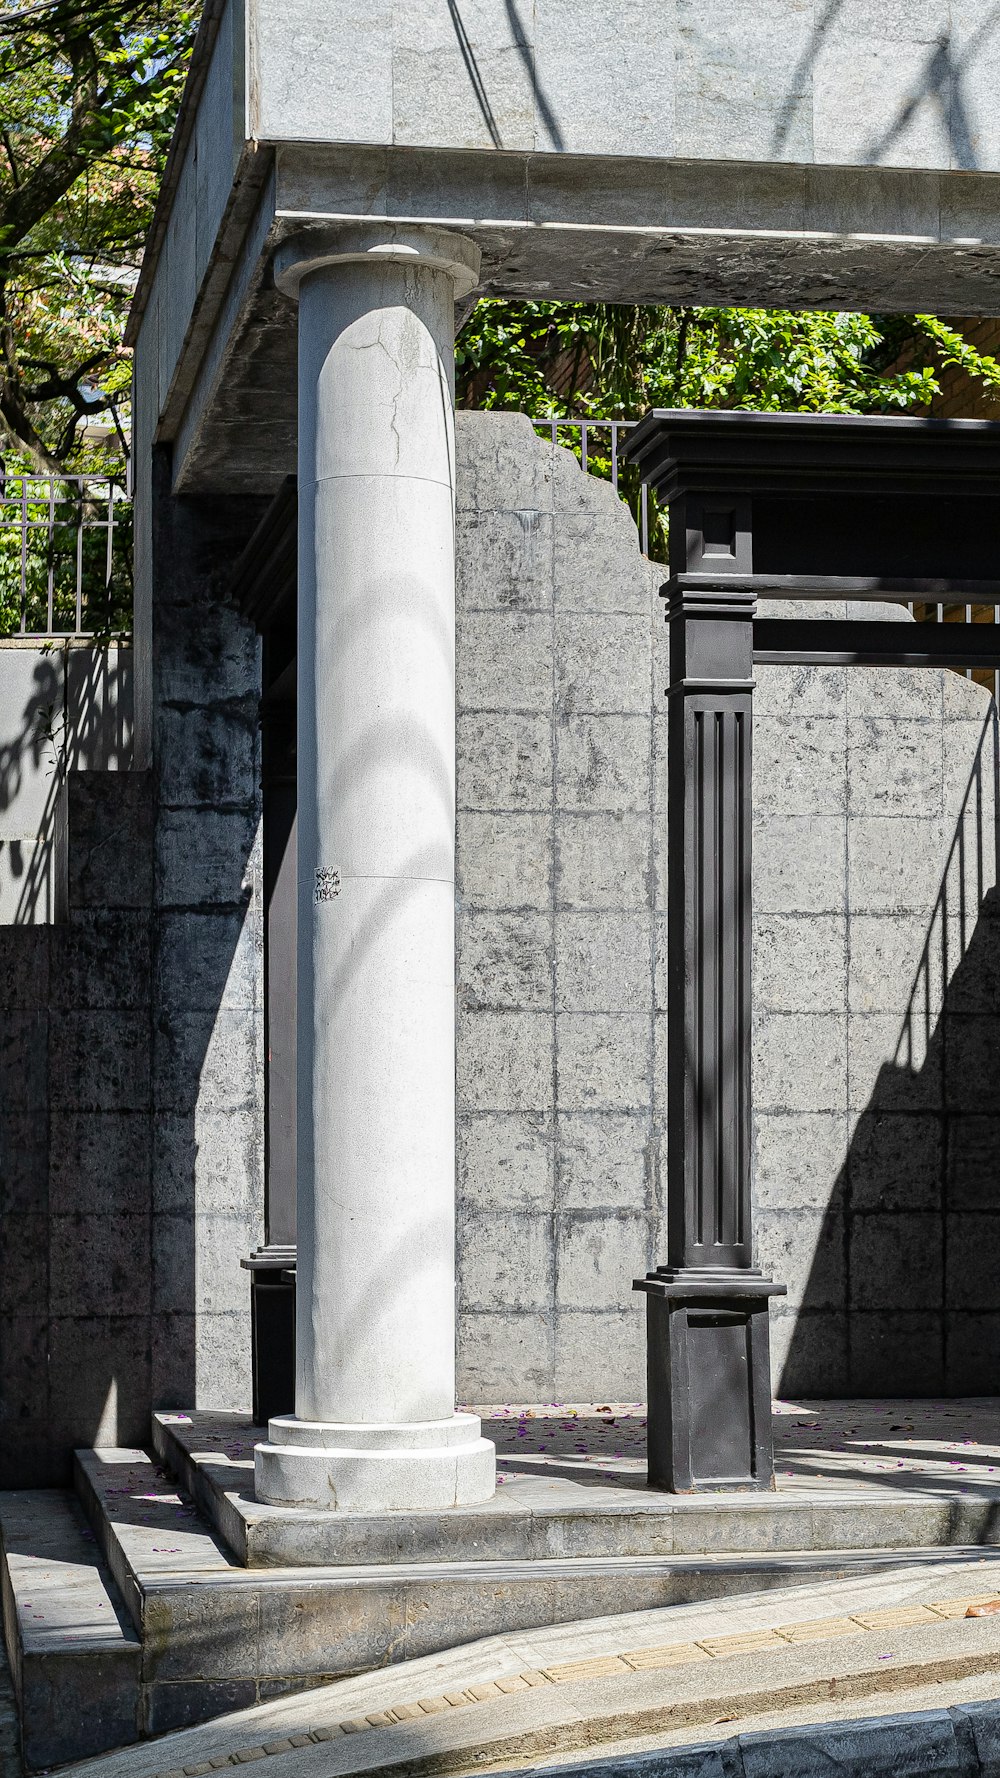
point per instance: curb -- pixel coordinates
(960, 1742)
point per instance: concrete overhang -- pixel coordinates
(590, 174)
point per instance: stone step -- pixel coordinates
(143, 1526)
(219, 1636)
(74, 1656)
(543, 1512)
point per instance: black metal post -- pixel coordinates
(707, 1351)
(794, 506)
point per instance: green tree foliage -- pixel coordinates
(603, 361)
(89, 91)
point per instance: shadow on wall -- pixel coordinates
(206, 1056)
(130, 1056)
(903, 1294)
(520, 40)
(75, 715)
(32, 783)
(940, 84)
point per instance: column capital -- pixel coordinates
(318, 245)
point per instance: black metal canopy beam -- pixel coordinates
(876, 588)
(855, 642)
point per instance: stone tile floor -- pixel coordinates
(941, 1446)
(937, 1446)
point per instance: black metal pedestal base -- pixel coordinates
(709, 1382)
(272, 1321)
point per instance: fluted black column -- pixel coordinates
(708, 1368)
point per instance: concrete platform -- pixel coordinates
(663, 1677)
(227, 1606)
(572, 1483)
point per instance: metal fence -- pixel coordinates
(969, 614)
(595, 443)
(65, 555)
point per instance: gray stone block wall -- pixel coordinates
(877, 1029)
(75, 1271)
(559, 1101)
(762, 83)
(878, 1023)
(207, 1061)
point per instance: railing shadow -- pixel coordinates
(32, 757)
(75, 716)
(907, 1235)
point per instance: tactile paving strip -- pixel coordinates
(640, 1660)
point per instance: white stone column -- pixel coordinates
(375, 1426)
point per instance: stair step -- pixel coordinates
(868, 1642)
(219, 1636)
(143, 1526)
(75, 1658)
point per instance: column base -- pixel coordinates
(375, 1468)
(709, 1380)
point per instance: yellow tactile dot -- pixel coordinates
(894, 1617)
(432, 1706)
(672, 1654)
(601, 1667)
(405, 1712)
(515, 1683)
(477, 1694)
(735, 1645)
(818, 1629)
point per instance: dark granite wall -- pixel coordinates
(131, 1068)
(75, 1144)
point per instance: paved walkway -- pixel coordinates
(846, 1646)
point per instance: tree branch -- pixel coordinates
(66, 159)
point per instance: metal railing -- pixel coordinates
(595, 442)
(65, 555)
(969, 614)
